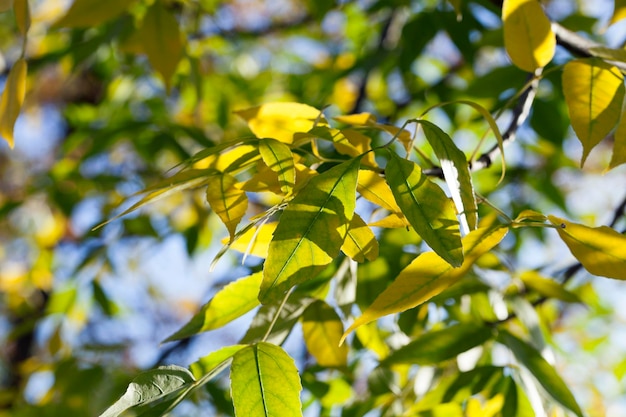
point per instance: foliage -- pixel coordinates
(387, 246)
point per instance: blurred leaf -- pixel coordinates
(12, 99)
(227, 200)
(22, 15)
(62, 301)
(547, 287)
(278, 157)
(255, 241)
(360, 243)
(374, 188)
(89, 13)
(208, 363)
(608, 53)
(322, 330)
(619, 145)
(619, 11)
(516, 403)
(5, 5)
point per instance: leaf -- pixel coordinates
(437, 346)
(161, 40)
(264, 381)
(281, 120)
(255, 241)
(360, 243)
(227, 200)
(541, 369)
(208, 363)
(392, 221)
(311, 230)
(528, 36)
(369, 120)
(619, 144)
(428, 275)
(230, 303)
(608, 53)
(547, 287)
(619, 11)
(278, 157)
(594, 92)
(151, 386)
(456, 173)
(22, 15)
(322, 330)
(601, 250)
(374, 188)
(426, 207)
(88, 13)
(12, 99)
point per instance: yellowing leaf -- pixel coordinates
(278, 157)
(427, 276)
(264, 381)
(22, 15)
(361, 144)
(230, 303)
(12, 99)
(594, 92)
(87, 13)
(359, 119)
(374, 188)
(619, 144)
(392, 221)
(227, 200)
(281, 120)
(322, 329)
(528, 36)
(161, 40)
(255, 241)
(547, 287)
(426, 207)
(360, 243)
(368, 120)
(619, 11)
(311, 230)
(601, 250)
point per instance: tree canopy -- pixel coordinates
(299, 207)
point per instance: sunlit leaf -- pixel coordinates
(322, 330)
(427, 276)
(151, 386)
(541, 369)
(278, 157)
(264, 381)
(12, 99)
(547, 287)
(426, 207)
(619, 11)
(619, 144)
(361, 144)
(440, 345)
(255, 241)
(601, 250)
(594, 92)
(88, 13)
(22, 15)
(516, 403)
(528, 36)
(208, 363)
(227, 200)
(360, 243)
(230, 303)
(311, 230)
(392, 221)
(456, 173)
(369, 120)
(374, 188)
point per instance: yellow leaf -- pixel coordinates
(162, 40)
(360, 119)
(601, 250)
(368, 120)
(227, 200)
(322, 329)
(594, 92)
(427, 276)
(360, 243)
(370, 337)
(278, 157)
(392, 221)
(22, 15)
(281, 120)
(231, 159)
(619, 144)
(362, 144)
(619, 11)
(374, 188)
(255, 241)
(528, 36)
(12, 99)
(87, 13)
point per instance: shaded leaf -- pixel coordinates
(88, 13)
(601, 250)
(360, 243)
(619, 144)
(311, 230)
(322, 330)
(22, 15)
(278, 157)
(374, 188)
(208, 363)
(608, 53)
(12, 99)
(264, 381)
(227, 200)
(426, 207)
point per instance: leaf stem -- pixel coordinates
(277, 315)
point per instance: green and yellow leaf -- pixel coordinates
(360, 243)
(619, 11)
(88, 13)
(12, 99)
(322, 330)
(227, 200)
(547, 287)
(278, 157)
(374, 188)
(210, 362)
(255, 241)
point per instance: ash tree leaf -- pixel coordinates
(440, 345)
(428, 275)
(12, 99)
(322, 330)
(426, 207)
(594, 92)
(619, 144)
(212, 361)
(230, 303)
(547, 287)
(278, 157)
(601, 250)
(360, 243)
(88, 13)
(311, 230)
(375, 189)
(541, 370)
(151, 386)
(264, 381)
(227, 200)
(528, 36)
(456, 173)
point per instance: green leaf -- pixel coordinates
(547, 287)
(456, 173)
(322, 330)
(311, 230)
(230, 303)
(541, 369)
(22, 15)
(361, 243)
(440, 345)
(12, 99)
(427, 276)
(208, 363)
(426, 207)
(264, 382)
(278, 157)
(227, 200)
(151, 386)
(594, 92)
(516, 403)
(601, 250)
(88, 13)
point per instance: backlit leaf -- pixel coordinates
(426, 207)
(392, 221)
(619, 144)
(427, 276)
(227, 200)
(88, 13)
(528, 36)
(360, 243)
(208, 363)
(278, 157)
(255, 241)
(619, 11)
(264, 381)
(601, 250)
(12, 99)
(547, 287)
(22, 15)
(322, 330)
(311, 230)
(230, 303)
(374, 188)
(541, 369)
(594, 92)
